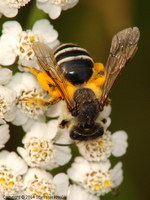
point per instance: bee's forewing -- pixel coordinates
(123, 48)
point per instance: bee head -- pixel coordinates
(82, 133)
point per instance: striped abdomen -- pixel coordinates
(75, 63)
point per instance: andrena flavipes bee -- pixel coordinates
(70, 74)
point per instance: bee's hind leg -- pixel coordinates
(48, 85)
(98, 76)
(41, 102)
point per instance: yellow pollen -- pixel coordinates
(11, 184)
(42, 144)
(2, 181)
(32, 38)
(28, 103)
(108, 183)
(35, 149)
(96, 187)
(100, 143)
(44, 154)
(46, 195)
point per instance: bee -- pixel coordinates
(70, 74)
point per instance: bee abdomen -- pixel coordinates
(75, 63)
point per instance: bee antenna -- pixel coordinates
(64, 145)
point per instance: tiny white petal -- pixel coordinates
(20, 118)
(45, 30)
(5, 75)
(55, 110)
(78, 193)
(4, 134)
(40, 173)
(54, 11)
(6, 10)
(117, 174)
(12, 28)
(5, 50)
(74, 173)
(63, 154)
(54, 7)
(10, 8)
(7, 101)
(61, 182)
(19, 166)
(119, 143)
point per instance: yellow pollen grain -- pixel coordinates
(28, 103)
(2, 181)
(11, 184)
(35, 149)
(46, 195)
(44, 154)
(97, 187)
(32, 38)
(107, 183)
(100, 143)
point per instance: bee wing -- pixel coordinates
(47, 62)
(123, 48)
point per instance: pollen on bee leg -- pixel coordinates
(99, 67)
(36, 101)
(98, 77)
(99, 74)
(54, 100)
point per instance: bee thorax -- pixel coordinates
(87, 107)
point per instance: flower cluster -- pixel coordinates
(44, 144)
(9, 8)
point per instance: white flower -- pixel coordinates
(38, 182)
(54, 7)
(4, 134)
(39, 148)
(7, 103)
(15, 42)
(9, 8)
(95, 177)
(5, 75)
(76, 192)
(11, 169)
(26, 86)
(101, 148)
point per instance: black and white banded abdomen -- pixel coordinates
(75, 63)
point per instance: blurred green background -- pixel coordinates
(91, 24)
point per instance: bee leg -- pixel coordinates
(41, 102)
(97, 79)
(64, 124)
(98, 76)
(46, 82)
